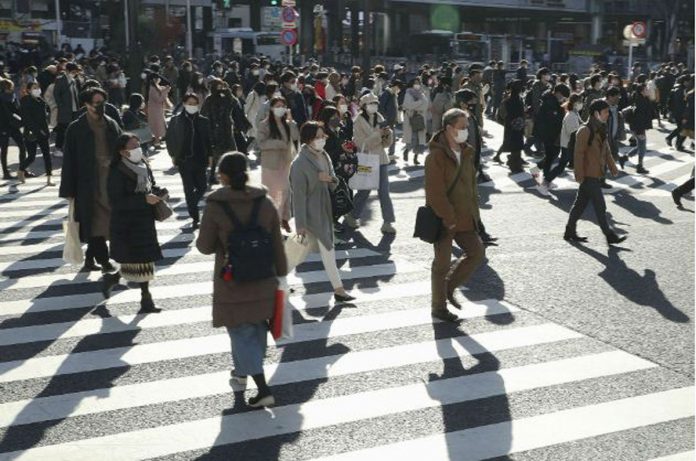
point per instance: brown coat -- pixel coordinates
(235, 303)
(461, 206)
(591, 161)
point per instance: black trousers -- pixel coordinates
(194, 180)
(551, 152)
(590, 190)
(59, 130)
(31, 155)
(97, 250)
(676, 133)
(684, 188)
(16, 135)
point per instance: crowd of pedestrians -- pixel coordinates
(306, 127)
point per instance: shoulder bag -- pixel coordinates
(428, 224)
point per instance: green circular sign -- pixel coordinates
(445, 17)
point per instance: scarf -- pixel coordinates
(142, 177)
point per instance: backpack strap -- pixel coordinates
(255, 212)
(230, 214)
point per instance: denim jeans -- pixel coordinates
(640, 148)
(385, 202)
(248, 347)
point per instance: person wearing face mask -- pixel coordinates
(344, 112)
(415, 106)
(312, 178)
(254, 101)
(198, 86)
(156, 100)
(333, 87)
(295, 100)
(66, 94)
(190, 145)
(443, 100)
(371, 136)
(550, 124)
(133, 236)
(389, 108)
(615, 125)
(593, 92)
(218, 109)
(89, 148)
(532, 102)
(276, 137)
(35, 113)
(571, 124)
(592, 159)
(240, 122)
(10, 124)
(450, 190)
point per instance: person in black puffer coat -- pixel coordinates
(10, 123)
(639, 123)
(549, 124)
(133, 241)
(35, 116)
(218, 109)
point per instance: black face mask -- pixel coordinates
(99, 109)
(334, 122)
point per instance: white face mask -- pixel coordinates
(255, 72)
(135, 155)
(143, 76)
(343, 108)
(578, 106)
(318, 144)
(279, 111)
(462, 136)
(191, 109)
(416, 87)
(293, 87)
(371, 108)
(36, 92)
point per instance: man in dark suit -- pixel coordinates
(66, 93)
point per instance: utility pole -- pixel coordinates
(59, 25)
(366, 38)
(126, 23)
(189, 31)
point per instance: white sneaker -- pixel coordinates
(58, 153)
(387, 228)
(543, 189)
(550, 185)
(350, 221)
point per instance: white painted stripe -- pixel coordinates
(646, 181)
(55, 303)
(177, 317)
(538, 431)
(199, 346)
(178, 205)
(685, 456)
(168, 390)
(166, 440)
(181, 267)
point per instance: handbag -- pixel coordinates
(366, 176)
(341, 201)
(161, 209)
(428, 224)
(297, 249)
(72, 249)
(417, 122)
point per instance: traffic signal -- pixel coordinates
(224, 4)
(274, 2)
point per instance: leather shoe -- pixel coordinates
(622, 160)
(677, 198)
(573, 237)
(614, 239)
(90, 266)
(445, 316)
(343, 298)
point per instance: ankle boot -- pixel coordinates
(571, 235)
(48, 181)
(147, 305)
(109, 281)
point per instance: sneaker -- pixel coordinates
(387, 228)
(641, 170)
(259, 401)
(241, 380)
(350, 221)
(550, 185)
(543, 189)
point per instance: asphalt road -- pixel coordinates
(566, 352)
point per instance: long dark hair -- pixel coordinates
(121, 143)
(234, 166)
(275, 129)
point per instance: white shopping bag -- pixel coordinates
(297, 247)
(72, 249)
(366, 176)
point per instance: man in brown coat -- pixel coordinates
(451, 164)
(592, 158)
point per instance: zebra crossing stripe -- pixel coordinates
(188, 387)
(685, 456)
(194, 347)
(537, 431)
(205, 433)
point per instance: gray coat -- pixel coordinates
(63, 96)
(311, 199)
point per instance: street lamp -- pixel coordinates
(59, 24)
(189, 33)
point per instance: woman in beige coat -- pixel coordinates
(372, 137)
(156, 104)
(244, 308)
(277, 135)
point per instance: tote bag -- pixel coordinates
(366, 176)
(72, 249)
(297, 249)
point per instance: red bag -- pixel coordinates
(277, 319)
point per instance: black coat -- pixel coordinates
(35, 117)
(218, 109)
(549, 119)
(689, 111)
(642, 115)
(513, 139)
(133, 234)
(10, 117)
(179, 133)
(677, 102)
(77, 175)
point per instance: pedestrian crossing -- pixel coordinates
(83, 378)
